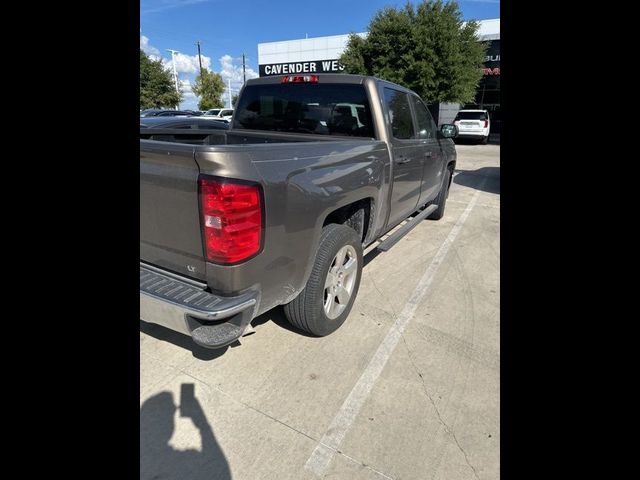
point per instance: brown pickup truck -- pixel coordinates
(277, 209)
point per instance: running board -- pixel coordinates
(390, 241)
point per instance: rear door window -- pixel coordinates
(426, 125)
(399, 114)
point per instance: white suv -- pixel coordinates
(473, 124)
(224, 114)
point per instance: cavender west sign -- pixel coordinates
(317, 66)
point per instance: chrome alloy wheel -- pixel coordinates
(340, 281)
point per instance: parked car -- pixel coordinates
(224, 114)
(166, 113)
(175, 113)
(473, 124)
(182, 123)
(150, 112)
(278, 209)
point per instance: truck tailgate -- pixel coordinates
(170, 235)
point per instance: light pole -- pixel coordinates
(175, 73)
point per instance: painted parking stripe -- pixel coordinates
(324, 452)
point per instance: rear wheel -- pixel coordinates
(484, 140)
(326, 300)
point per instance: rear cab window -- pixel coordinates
(313, 108)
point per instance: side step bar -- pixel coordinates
(390, 241)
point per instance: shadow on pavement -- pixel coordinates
(159, 460)
(474, 178)
(183, 341)
(494, 139)
(276, 315)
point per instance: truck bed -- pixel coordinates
(203, 136)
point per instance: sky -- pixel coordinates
(229, 28)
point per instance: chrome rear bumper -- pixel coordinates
(184, 306)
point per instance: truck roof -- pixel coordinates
(325, 78)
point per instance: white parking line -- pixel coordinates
(324, 452)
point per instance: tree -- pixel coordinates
(234, 100)
(426, 49)
(157, 89)
(209, 87)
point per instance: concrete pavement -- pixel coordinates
(407, 388)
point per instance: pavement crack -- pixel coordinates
(284, 424)
(447, 428)
(251, 407)
(393, 310)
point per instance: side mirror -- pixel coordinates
(449, 131)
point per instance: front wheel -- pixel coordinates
(326, 300)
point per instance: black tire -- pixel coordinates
(306, 311)
(441, 199)
(484, 140)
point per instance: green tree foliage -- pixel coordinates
(209, 87)
(426, 49)
(234, 100)
(157, 89)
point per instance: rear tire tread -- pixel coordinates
(306, 312)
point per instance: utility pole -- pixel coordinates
(230, 106)
(199, 57)
(244, 73)
(175, 73)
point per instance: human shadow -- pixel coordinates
(159, 460)
(486, 178)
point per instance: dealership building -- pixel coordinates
(320, 55)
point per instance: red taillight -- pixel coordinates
(300, 79)
(486, 123)
(231, 219)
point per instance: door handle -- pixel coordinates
(428, 154)
(402, 159)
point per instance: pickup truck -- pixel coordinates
(278, 209)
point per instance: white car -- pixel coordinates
(473, 124)
(224, 114)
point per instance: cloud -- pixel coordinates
(231, 69)
(187, 63)
(188, 67)
(153, 6)
(146, 47)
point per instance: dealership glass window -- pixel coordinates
(426, 125)
(329, 109)
(399, 113)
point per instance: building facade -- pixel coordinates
(320, 55)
